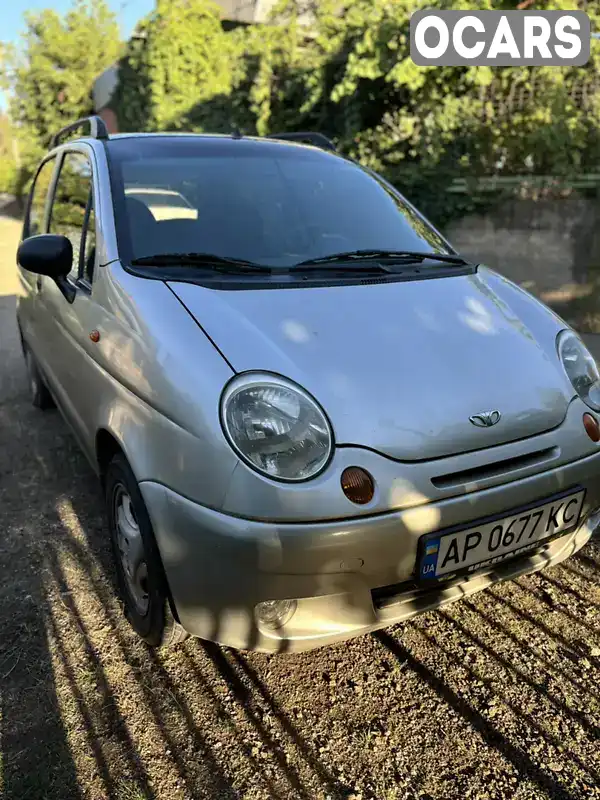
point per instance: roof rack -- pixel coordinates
(317, 139)
(98, 129)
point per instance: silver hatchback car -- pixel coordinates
(311, 416)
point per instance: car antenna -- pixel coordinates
(236, 133)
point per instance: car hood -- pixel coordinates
(401, 367)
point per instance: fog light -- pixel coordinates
(358, 485)
(592, 428)
(275, 613)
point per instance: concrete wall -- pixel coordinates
(550, 246)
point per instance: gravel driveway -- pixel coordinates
(495, 697)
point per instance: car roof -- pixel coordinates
(180, 134)
(233, 137)
(235, 140)
(99, 136)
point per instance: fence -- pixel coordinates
(524, 183)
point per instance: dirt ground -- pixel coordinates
(496, 697)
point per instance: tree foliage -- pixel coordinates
(422, 126)
(351, 76)
(183, 71)
(179, 58)
(8, 156)
(51, 76)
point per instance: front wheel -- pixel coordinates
(140, 574)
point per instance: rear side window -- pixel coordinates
(35, 223)
(70, 203)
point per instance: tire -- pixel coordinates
(38, 391)
(140, 574)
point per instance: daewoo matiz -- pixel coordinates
(311, 416)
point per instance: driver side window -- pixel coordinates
(37, 206)
(70, 204)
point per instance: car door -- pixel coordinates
(31, 322)
(69, 324)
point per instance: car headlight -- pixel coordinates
(276, 427)
(581, 368)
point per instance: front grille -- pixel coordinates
(497, 468)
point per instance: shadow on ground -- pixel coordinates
(494, 697)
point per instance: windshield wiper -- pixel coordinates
(403, 256)
(240, 266)
(220, 263)
(363, 261)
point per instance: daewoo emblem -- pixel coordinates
(486, 419)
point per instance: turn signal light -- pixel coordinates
(358, 485)
(592, 428)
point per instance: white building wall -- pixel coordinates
(104, 86)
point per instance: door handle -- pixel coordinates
(38, 283)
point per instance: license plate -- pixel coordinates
(448, 553)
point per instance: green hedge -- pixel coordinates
(8, 175)
(351, 77)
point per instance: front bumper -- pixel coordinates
(350, 576)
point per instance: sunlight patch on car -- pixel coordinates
(295, 331)
(124, 354)
(424, 519)
(478, 317)
(403, 493)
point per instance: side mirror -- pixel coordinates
(47, 254)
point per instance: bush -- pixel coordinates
(352, 78)
(8, 175)
(179, 59)
(50, 78)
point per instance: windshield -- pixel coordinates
(269, 203)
